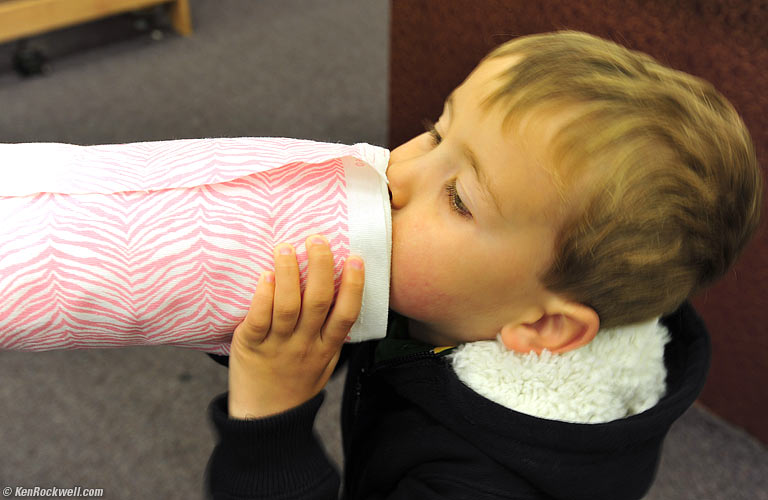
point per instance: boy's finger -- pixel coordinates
(347, 307)
(287, 305)
(255, 326)
(319, 292)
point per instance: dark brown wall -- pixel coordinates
(436, 43)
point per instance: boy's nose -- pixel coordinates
(399, 186)
(396, 198)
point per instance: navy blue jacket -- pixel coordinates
(412, 430)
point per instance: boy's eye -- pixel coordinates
(455, 202)
(434, 134)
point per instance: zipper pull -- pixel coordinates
(358, 391)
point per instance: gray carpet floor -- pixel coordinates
(133, 421)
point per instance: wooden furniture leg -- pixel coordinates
(181, 20)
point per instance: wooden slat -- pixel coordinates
(22, 18)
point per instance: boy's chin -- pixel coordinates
(402, 307)
(429, 337)
(396, 309)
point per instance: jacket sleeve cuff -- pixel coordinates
(278, 455)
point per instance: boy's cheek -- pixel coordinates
(417, 289)
(422, 282)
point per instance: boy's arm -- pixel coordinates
(281, 357)
(278, 456)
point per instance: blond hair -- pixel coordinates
(673, 189)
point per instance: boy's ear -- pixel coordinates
(569, 326)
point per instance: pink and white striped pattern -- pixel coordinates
(156, 243)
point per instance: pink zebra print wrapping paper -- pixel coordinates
(163, 242)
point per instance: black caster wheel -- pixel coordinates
(30, 61)
(152, 20)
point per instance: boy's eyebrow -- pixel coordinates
(472, 158)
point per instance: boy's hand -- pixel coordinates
(286, 348)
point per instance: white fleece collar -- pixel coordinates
(620, 373)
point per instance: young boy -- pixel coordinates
(571, 194)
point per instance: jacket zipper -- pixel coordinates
(403, 359)
(365, 373)
(381, 366)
